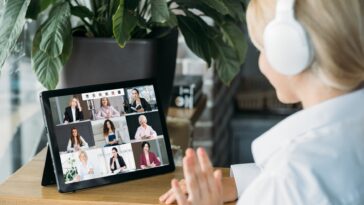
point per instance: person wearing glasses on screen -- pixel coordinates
(76, 141)
(106, 110)
(312, 52)
(73, 112)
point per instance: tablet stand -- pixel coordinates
(48, 172)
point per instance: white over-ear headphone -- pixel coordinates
(286, 43)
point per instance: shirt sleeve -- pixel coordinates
(69, 146)
(114, 112)
(153, 133)
(244, 174)
(80, 114)
(99, 114)
(137, 134)
(146, 105)
(84, 143)
(289, 184)
(66, 117)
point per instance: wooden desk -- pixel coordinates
(23, 187)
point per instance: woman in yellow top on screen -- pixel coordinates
(106, 110)
(312, 52)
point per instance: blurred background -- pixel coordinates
(232, 117)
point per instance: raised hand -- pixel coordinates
(203, 185)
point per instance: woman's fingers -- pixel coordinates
(207, 171)
(204, 160)
(218, 180)
(191, 177)
(166, 196)
(180, 196)
(169, 197)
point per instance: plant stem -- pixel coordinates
(89, 26)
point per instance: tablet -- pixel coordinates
(103, 134)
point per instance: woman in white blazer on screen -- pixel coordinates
(315, 156)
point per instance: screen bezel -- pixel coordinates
(62, 186)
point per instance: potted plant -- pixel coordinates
(125, 22)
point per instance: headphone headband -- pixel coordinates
(285, 8)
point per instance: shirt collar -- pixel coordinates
(303, 121)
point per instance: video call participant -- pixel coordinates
(147, 158)
(76, 141)
(144, 131)
(106, 111)
(117, 163)
(111, 135)
(314, 156)
(85, 168)
(139, 104)
(73, 112)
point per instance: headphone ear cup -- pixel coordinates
(287, 47)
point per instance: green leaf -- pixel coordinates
(218, 5)
(235, 38)
(82, 12)
(56, 29)
(67, 49)
(236, 9)
(171, 22)
(196, 36)
(36, 7)
(12, 23)
(124, 22)
(160, 11)
(227, 64)
(131, 4)
(45, 67)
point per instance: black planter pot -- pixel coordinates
(101, 60)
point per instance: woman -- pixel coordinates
(106, 111)
(111, 136)
(76, 141)
(117, 163)
(144, 131)
(148, 159)
(85, 168)
(73, 112)
(139, 104)
(316, 155)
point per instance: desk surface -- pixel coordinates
(23, 187)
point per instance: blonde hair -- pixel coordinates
(336, 30)
(84, 154)
(71, 100)
(142, 117)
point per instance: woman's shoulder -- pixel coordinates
(152, 154)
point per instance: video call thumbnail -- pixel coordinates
(109, 132)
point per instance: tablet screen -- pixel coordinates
(108, 132)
